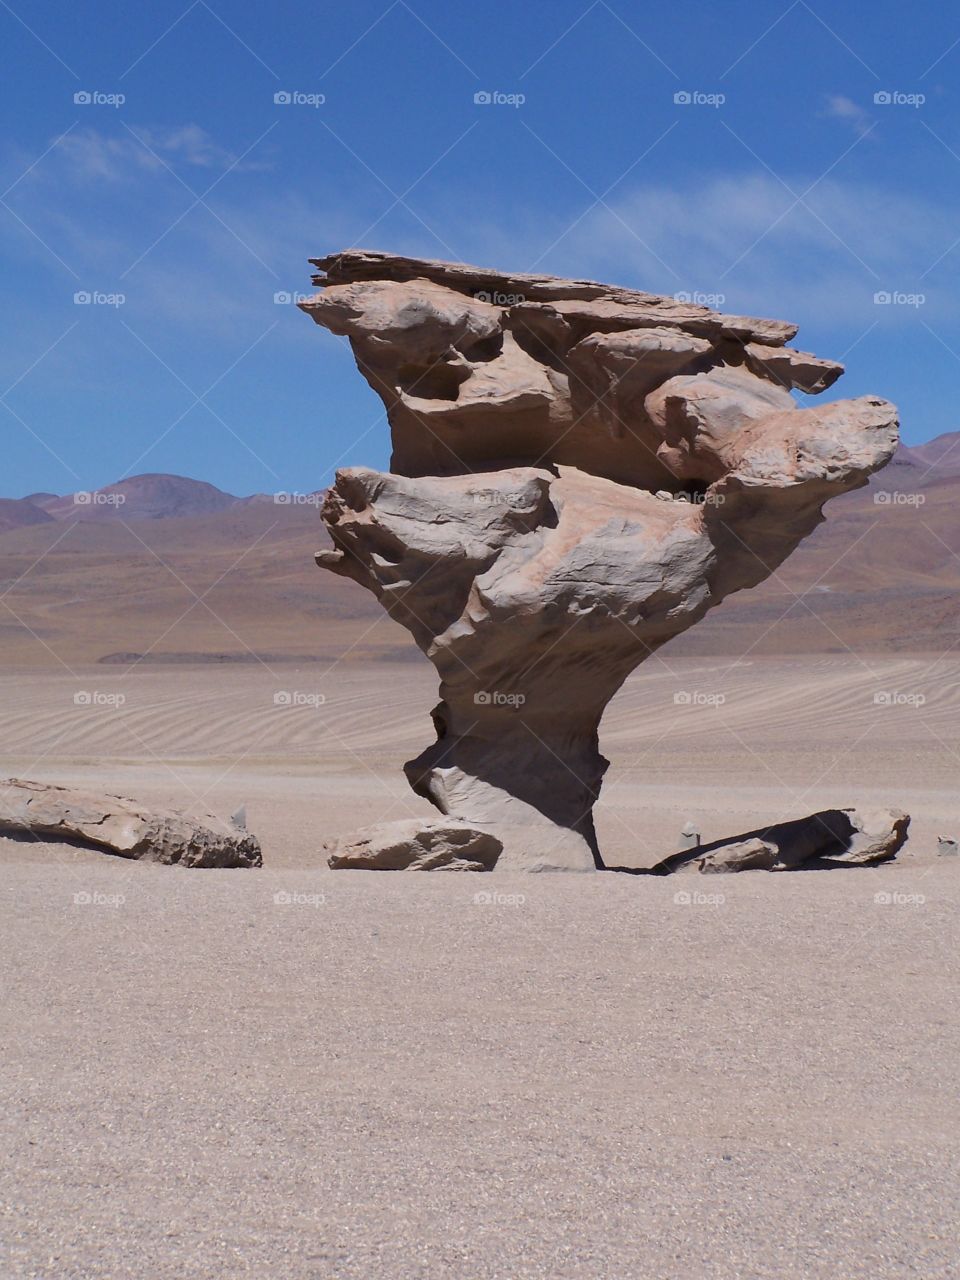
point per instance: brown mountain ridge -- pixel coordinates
(162, 568)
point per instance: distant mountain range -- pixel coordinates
(162, 568)
(17, 513)
(923, 464)
(168, 497)
(146, 497)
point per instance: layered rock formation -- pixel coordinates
(832, 837)
(42, 811)
(579, 473)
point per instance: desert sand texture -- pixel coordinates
(294, 1072)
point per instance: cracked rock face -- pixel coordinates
(579, 473)
(417, 846)
(120, 826)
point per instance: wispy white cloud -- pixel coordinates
(104, 202)
(93, 155)
(196, 147)
(747, 238)
(840, 107)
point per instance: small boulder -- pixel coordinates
(417, 845)
(876, 836)
(743, 855)
(689, 837)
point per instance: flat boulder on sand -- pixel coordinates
(417, 845)
(827, 838)
(124, 827)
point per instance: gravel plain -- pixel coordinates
(295, 1074)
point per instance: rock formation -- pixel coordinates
(49, 813)
(832, 837)
(579, 473)
(417, 846)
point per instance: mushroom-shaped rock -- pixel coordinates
(531, 534)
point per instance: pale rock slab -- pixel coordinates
(415, 845)
(124, 827)
(742, 855)
(792, 369)
(832, 836)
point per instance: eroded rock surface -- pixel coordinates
(830, 837)
(741, 855)
(415, 845)
(579, 473)
(121, 826)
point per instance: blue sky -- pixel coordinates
(784, 186)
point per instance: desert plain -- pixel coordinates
(303, 1073)
(299, 1072)
(333, 587)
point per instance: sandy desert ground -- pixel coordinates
(382, 1077)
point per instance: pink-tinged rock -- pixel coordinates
(579, 473)
(418, 321)
(792, 369)
(509, 289)
(616, 371)
(698, 416)
(645, 311)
